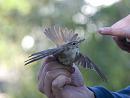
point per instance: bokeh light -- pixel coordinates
(98, 3)
(79, 18)
(88, 10)
(21, 26)
(27, 42)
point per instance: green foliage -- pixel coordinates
(19, 18)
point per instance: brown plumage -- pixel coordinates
(59, 35)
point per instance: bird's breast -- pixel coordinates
(67, 57)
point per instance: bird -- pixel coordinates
(67, 50)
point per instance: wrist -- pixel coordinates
(90, 93)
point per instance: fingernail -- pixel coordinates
(104, 30)
(100, 30)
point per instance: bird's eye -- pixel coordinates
(74, 43)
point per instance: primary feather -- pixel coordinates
(60, 35)
(88, 64)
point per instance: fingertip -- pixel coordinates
(100, 30)
(105, 30)
(40, 88)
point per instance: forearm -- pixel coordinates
(101, 92)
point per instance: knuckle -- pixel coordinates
(68, 94)
(60, 82)
(49, 74)
(41, 89)
(54, 84)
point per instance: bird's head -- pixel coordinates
(74, 44)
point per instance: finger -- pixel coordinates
(58, 85)
(77, 78)
(50, 76)
(40, 71)
(41, 77)
(49, 64)
(122, 43)
(76, 92)
(112, 31)
(43, 71)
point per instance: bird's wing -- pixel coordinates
(87, 63)
(39, 55)
(60, 35)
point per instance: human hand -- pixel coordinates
(120, 31)
(57, 81)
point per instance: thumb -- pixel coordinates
(112, 31)
(77, 78)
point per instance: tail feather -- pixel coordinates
(42, 54)
(34, 59)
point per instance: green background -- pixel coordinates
(19, 18)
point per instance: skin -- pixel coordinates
(120, 32)
(57, 81)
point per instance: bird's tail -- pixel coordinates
(39, 55)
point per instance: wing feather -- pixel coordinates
(87, 63)
(74, 37)
(47, 32)
(60, 35)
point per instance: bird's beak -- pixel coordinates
(81, 40)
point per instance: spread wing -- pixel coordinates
(87, 63)
(42, 54)
(60, 35)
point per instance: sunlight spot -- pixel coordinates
(88, 10)
(79, 18)
(27, 42)
(47, 10)
(4, 95)
(3, 73)
(97, 3)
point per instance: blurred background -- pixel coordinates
(21, 26)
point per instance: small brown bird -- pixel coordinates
(66, 51)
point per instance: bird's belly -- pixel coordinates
(67, 57)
